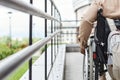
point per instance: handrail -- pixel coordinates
(9, 64)
(56, 8)
(27, 8)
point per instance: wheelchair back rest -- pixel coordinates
(102, 31)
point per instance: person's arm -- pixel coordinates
(86, 25)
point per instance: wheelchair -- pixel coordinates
(95, 58)
(92, 66)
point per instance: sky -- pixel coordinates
(20, 21)
(66, 9)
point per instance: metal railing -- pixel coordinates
(14, 61)
(26, 7)
(70, 31)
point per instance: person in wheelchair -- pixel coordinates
(110, 10)
(114, 51)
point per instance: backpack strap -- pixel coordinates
(113, 35)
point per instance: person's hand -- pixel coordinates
(82, 50)
(83, 45)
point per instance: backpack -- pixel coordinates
(114, 42)
(102, 31)
(114, 47)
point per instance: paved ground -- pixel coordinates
(73, 66)
(38, 68)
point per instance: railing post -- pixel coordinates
(51, 32)
(59, 29)
(10, 29)
(56, 30)
(55, 36)
(30, 43)
(46, 44)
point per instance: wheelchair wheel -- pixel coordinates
(85, 67)
(88, 65)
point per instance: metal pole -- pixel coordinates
(46, 44)
(10, 32)
(61, 32)
(51, 32)
(59, 29)
(55, 36)
(30, 43)
(26, 7)
(56, 30)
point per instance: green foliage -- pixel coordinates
(6, 50)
